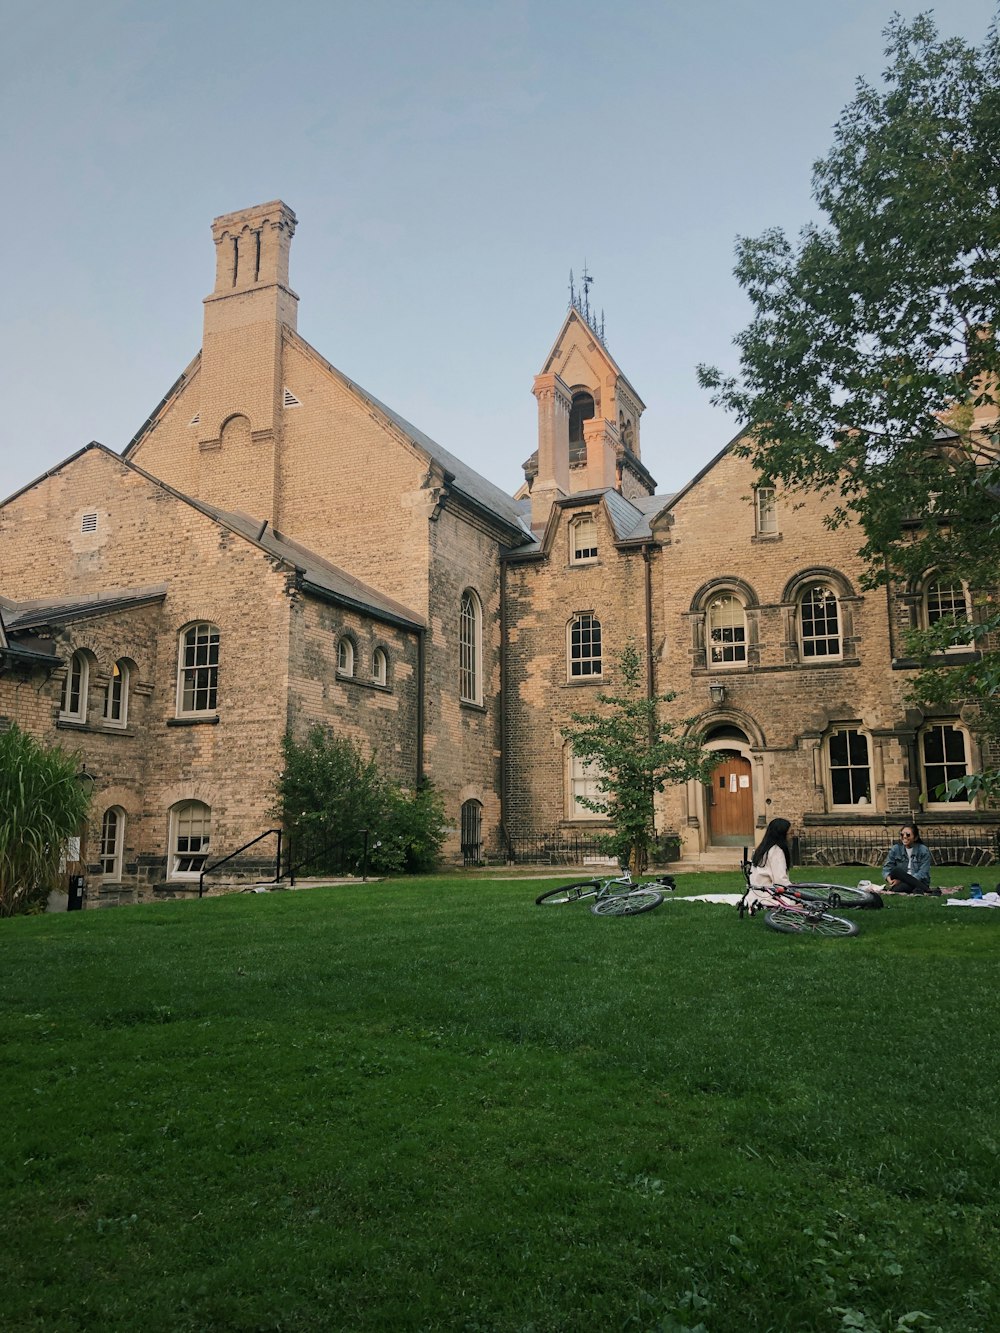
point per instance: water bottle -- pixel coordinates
(975, 891)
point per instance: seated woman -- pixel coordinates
(907, 868)
(771, 857)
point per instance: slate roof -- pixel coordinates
(19, 616)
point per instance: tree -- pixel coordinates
(42, 804)
(634, 753)
(870, 368)
(334, 802)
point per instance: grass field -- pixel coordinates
(432, 1105)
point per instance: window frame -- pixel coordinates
(804, 595)
(174, 853)
(846, 730)
(380, 668)
(470, 648)
(114, 856)
(765, 506)
(186, 670)
(587, 555)
(78, 669)
(943, 725)
(122, 673)
(722, 664)
(577, 642)
(935, 581)
(347, 656)
(581, 778)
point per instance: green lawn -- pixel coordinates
(432, 1105)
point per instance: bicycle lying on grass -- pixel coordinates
(804, 909)
(616, 896)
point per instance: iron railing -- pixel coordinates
(315, 853)
(564, 848)
(974, 847)
(271, 832)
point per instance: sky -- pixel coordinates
(449, 162)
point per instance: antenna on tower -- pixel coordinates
(587, 280)
(572, 290)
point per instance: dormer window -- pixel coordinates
(583, 540)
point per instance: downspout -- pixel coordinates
(421, 673)
(889, 615)
(503, 695)
(649, 619)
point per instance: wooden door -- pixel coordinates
(730, 805)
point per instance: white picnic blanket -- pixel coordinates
(731, 899)
(987, 900)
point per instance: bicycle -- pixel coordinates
(617, 896)
(804, 909)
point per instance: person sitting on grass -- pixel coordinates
(771, 858)
(907, 868)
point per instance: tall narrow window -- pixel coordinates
(472, 832)
(380, 667)
(850, 774)
(945, 758)
(345, 657)
(582, 785)
(727, 631)
(190, 833)
(584, 647)
(946, 599)
(112, 836)
(116, 696)
(766, 511)
(820, 622)
(470, 648)
(198, 677)
(582, 540)
(74, 696)
(582, 409)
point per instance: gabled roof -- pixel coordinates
(573, 316)
(42, 611)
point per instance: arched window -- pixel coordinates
(74, 695)
(380, 667)
(190, 832)
(582, 777)
(944, 756)
(116, 696)
(470, 649)
(472, 832)
(112, 840)
(726, 631)
(947, 599)
(584, 647)
(850, 770)
(819, 622)
(198, 669)
(345, 656)
(582, 540)
(581, 409)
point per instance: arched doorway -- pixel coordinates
(729, 796)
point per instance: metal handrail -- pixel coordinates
(215, 864)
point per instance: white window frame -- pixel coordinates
(345, 656)
(380, 667)
(947, 589)
(77, 682)
(470, 648)
(582, 776)
(584, 662)
(736, 626)
(765, 502)
(201, 675)
(117, 699)
(112, 846)
(813, 637)
(865, 799)
(185, 826)
(930, 801)
(583, 529)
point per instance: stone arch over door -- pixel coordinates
(729, 797)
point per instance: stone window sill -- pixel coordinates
(208, 720)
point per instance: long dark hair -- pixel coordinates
(916, 831)
(775, 835)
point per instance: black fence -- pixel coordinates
(313, 853)
(559, 848)
(975, 847)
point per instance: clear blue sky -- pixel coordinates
(448, 162)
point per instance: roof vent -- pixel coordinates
(290, 400)
(195, 420)
(88, 523)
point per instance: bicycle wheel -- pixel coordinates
(840, 896)
(627, 904)
(570, 893)
(790, 922)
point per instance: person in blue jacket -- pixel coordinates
(907, 868)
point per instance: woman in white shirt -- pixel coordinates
(771, 858)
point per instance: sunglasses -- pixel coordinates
(906, 835)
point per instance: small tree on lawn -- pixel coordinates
(41, 805)
(634, 753)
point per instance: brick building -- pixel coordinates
(276, 547)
